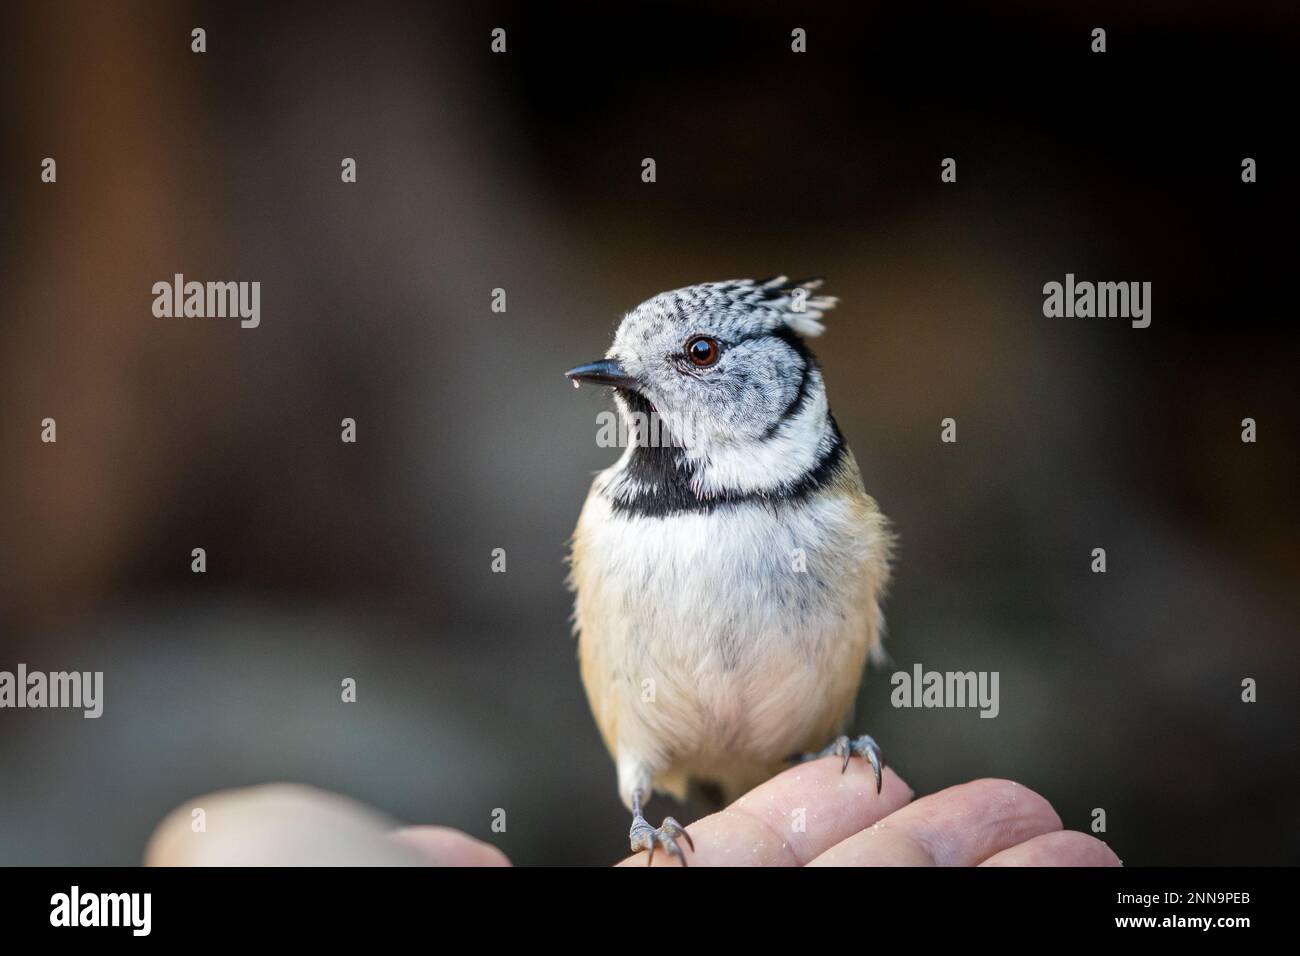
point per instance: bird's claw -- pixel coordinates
(645, 837)
(847, 748)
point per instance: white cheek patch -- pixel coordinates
(771, 463)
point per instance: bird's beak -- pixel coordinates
(604, 372)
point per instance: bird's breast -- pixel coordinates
(746, 625)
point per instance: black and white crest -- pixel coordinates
(769, 303)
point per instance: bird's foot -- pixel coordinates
(645, 837)
(846, 747)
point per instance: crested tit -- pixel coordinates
(728, 572)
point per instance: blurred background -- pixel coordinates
(521, 171)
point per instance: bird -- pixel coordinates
(728, 569)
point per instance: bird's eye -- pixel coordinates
(702, 351)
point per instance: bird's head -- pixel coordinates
(724, 367)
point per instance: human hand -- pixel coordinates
(809, 815)
(291, 825)
(815, 816)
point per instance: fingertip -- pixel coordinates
(1017, 799)
(1062, 848)
(443, 846)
